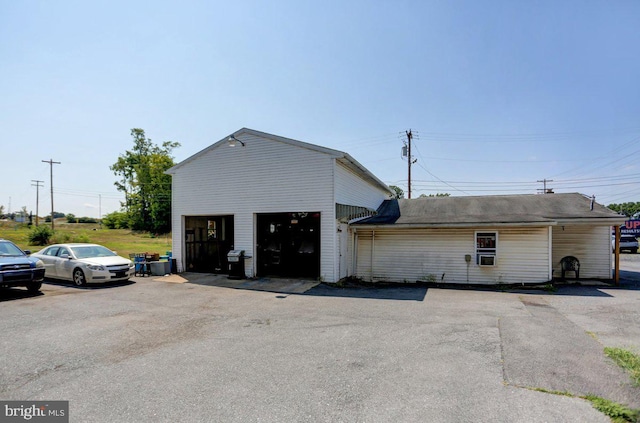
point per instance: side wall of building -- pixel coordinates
(352, 190)
(591, 245)
(438, 255)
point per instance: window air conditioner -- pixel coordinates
(486, 260)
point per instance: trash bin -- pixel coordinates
(235, 258)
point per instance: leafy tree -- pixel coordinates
(116, 220)
(85, 219)
(71, 218)
(146, 187)
(399, 193)
(56, 215)
(1, 211)
(628, 209)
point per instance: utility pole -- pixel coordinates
(410, 161)
(38, 186)
(51, 163)
(544, 189)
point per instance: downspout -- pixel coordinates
(373, 244)
(354, 253)
(551, 253)
(616, 275)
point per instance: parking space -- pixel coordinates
(157, 350)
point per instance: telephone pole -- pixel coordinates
(38, 186)
(410, 161)
(544, 189)
(51, 163)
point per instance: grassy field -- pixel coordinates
(123, 241)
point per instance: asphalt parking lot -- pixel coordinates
(162, 351)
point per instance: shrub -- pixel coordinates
(61, 238)
(116, 220)
(40, 235)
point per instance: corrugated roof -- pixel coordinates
(546, 209)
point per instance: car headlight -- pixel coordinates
(39, 264)
(95, 267)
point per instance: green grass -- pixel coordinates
(617, 412)
(627, 360)
(123, 241)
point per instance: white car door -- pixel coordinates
(49, 258)
(64, 265)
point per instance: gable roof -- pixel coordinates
(340, 156)
(494, 210)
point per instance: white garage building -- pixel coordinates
(284, 202)
(301, 210)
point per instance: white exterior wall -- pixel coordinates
(351, 189)
(591, 245)
(409, 255)
(265, 176)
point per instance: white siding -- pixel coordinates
(265, 176)
(591, 245)
(438, 255)
(352, 190)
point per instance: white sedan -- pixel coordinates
(84, 263)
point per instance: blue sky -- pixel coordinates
(499, 94)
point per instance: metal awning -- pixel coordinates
(345, 213)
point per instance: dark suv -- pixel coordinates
(18, 269)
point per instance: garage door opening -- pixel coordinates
(288, 244)
(208, 239)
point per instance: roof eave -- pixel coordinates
(462, 225)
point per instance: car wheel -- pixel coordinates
(78, 277)
(634, 250)
(34, 286)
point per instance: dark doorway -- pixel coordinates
(288, 244)
(208, 239)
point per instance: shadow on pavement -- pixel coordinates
(105, 285)
(9, 294)
(629, 280)
(403, 293)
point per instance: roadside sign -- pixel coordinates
(630, 227)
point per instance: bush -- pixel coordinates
(40, 235)
(116, 220)
(61, 238)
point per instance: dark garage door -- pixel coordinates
(208, 239)
(288, 244)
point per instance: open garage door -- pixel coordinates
(288, 244)
(208, 239)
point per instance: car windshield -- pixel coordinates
(8, 249)
(89, 251)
